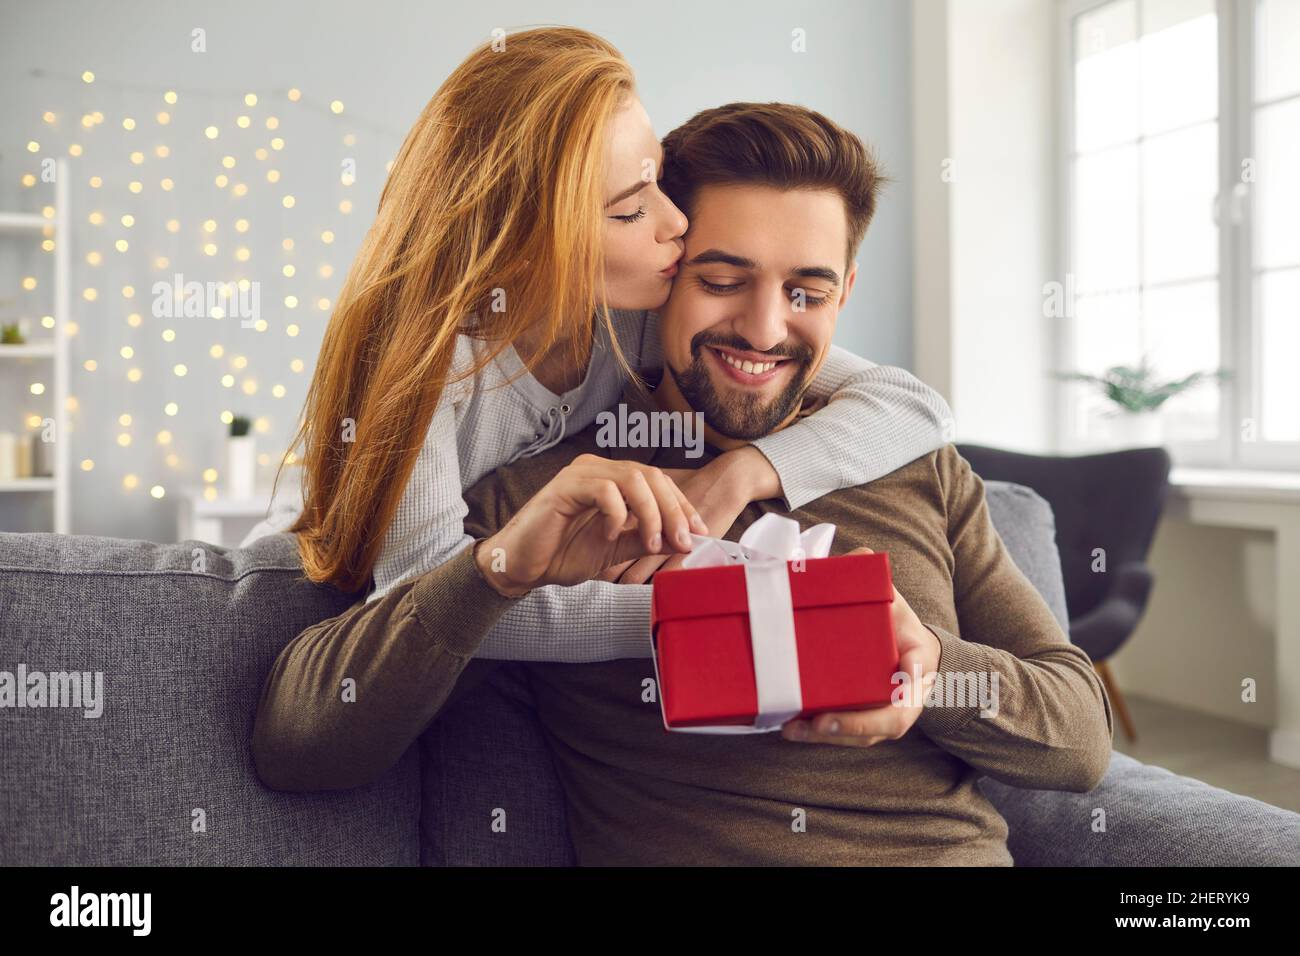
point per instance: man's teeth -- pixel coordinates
(753, 368)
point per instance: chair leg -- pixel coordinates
(1117, 700)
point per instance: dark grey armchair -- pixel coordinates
(1107, 507)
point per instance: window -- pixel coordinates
(1183, 234)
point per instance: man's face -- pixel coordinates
(752, 311)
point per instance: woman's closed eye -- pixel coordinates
(632, 216)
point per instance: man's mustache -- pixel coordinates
(796, 351)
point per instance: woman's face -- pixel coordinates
(643, 229)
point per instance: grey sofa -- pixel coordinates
(184, 634)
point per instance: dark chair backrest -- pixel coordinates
(1110, 501)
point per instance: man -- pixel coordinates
(779, 198)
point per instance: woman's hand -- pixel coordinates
(721, 490)
(593, 513)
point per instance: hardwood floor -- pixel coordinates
(1220, 752)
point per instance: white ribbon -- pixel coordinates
(764, 549)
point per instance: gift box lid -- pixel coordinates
(823, 582)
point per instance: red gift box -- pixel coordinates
(704, 657)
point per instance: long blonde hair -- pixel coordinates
(499, 186)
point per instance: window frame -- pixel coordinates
(1239, 310)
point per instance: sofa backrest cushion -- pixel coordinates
(184, 635)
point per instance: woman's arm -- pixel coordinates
(346, 697)
(878, 419)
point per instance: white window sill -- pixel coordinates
(1236, 485)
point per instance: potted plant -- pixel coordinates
(11, 334)
(1138, 396)
(241, 459)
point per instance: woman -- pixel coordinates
(499, 300)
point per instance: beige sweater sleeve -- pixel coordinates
(1049, 726)
(346, 697)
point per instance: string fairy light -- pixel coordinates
(175, 104)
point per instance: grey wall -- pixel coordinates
(383, 60)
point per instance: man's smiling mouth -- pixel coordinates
(747, 367)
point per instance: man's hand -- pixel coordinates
(918, 657)
(720, 491)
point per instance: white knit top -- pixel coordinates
(878, 419)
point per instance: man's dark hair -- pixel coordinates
(772, 144)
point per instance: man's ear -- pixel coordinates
(848, 284)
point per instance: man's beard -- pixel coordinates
(741, 415)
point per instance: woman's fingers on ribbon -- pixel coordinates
(663, 512)
(679, 514)
(660, 505)
(605, 496)
(645, 505)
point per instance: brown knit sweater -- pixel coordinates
(638, 794)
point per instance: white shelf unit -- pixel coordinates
(14, 227)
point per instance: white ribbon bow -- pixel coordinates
(764, 549)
